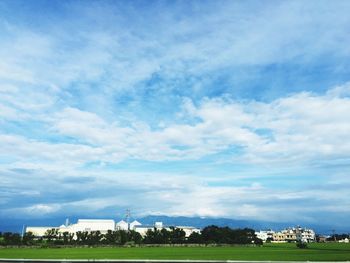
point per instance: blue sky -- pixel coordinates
(234, 109)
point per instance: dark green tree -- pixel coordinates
(111, 238)
(195, 238)
(93, 238)
(134, 237)
(157, 236)
(51, 234)
(177, 235)
(302, 245)
(82, 237)
(11, 239)
(67, 238)
(28, 239)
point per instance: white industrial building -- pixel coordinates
(142, 229)
(82, 225)
(103, 225)
(89, 225)
(38, 231)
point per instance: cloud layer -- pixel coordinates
(199, 108)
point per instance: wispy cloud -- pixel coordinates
(294, 130)
(161, 106)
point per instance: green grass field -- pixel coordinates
(285, 252)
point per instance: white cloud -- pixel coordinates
(299, 128)
(37, 210)
(121, 57)
(42, 209)
(64, 90)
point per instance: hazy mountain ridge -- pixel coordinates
(200, 222)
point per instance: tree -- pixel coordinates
(11, 238)
(226, 235)
(135, 237)
(195, 238)
(51, 234)
(258, 241)
(157, 236)
(177, 235)
(28, 238)
(211, 234)
(269, 240)
(111, 238)
(243, 236)
(67, 238)
(82, 237)
(301, 245)
(123, 236)
(93, 237)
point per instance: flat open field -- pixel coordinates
(283, 252)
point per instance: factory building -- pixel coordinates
(103, 225)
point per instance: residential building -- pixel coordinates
(293, 234)
(265, 235)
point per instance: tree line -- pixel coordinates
(209, 235)
(337, 237)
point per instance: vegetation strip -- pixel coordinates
(157, 261)
(209, 235)
(267, 252)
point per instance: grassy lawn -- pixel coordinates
(287, 252)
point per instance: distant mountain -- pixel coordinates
(201, 222)
(15, 225)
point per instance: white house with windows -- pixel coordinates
(304, 234)
(288, 235)
(265, 234)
